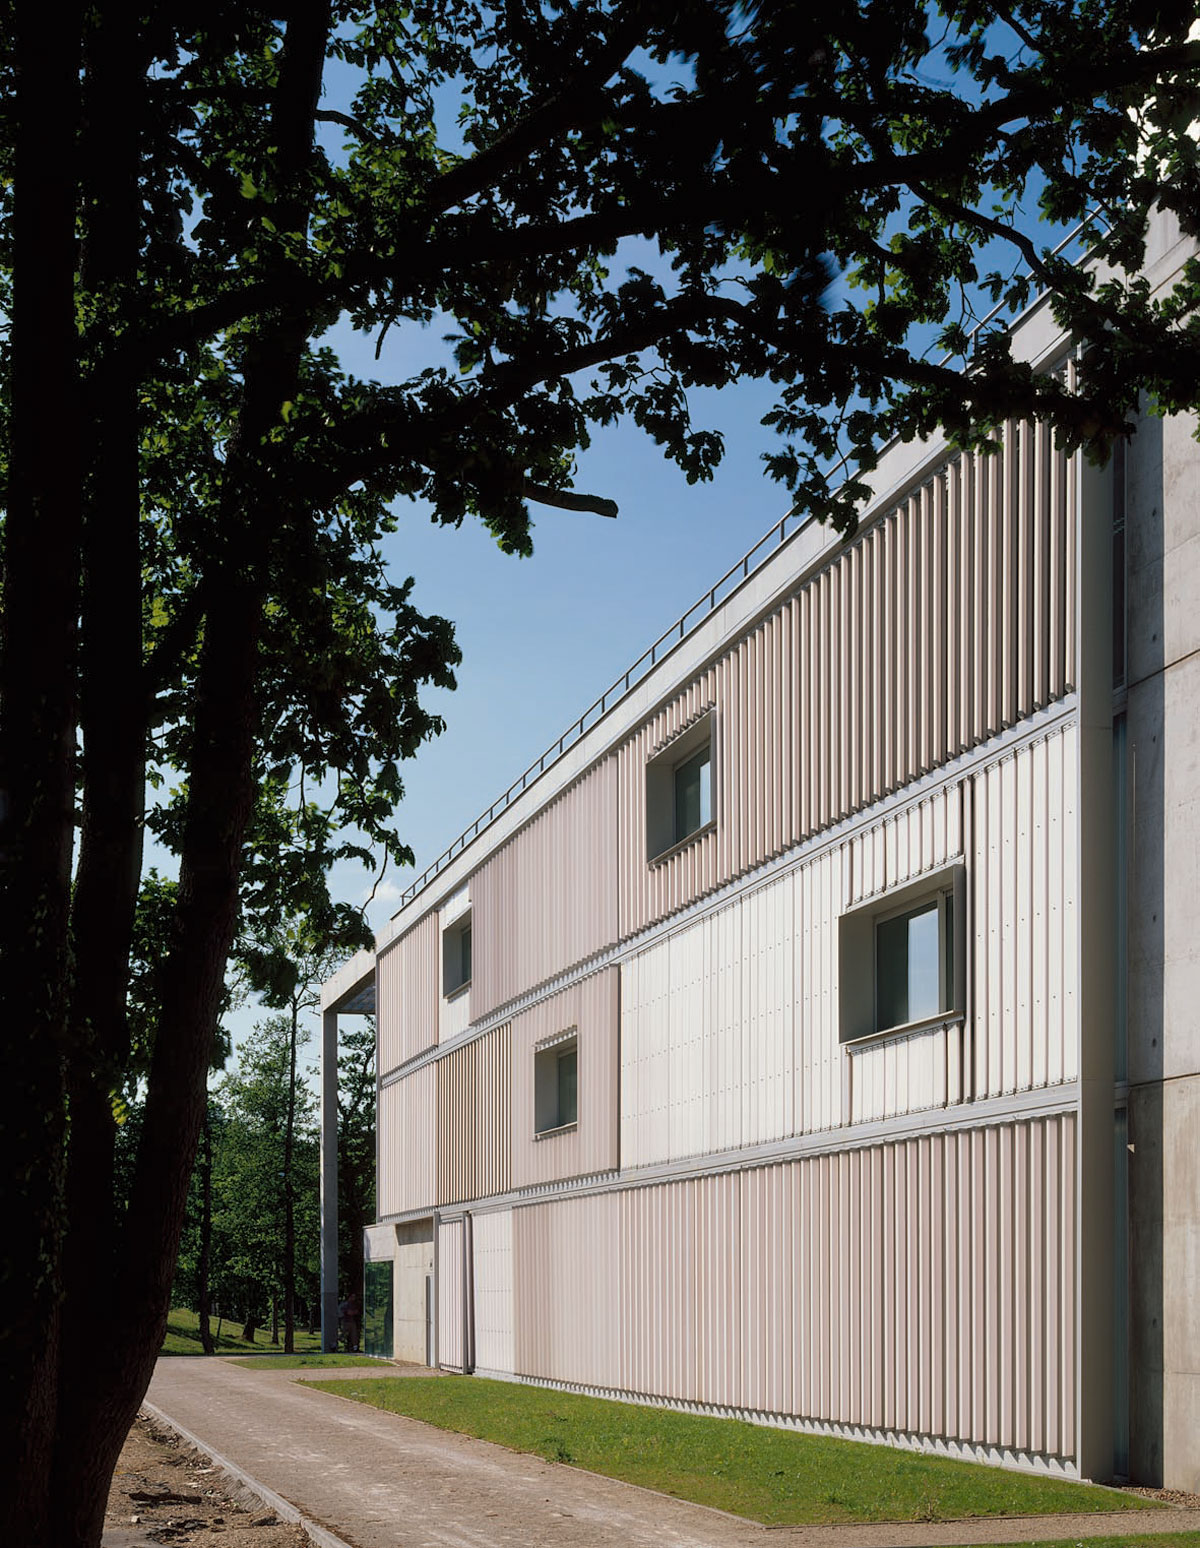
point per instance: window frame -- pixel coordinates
(662, 799)
(858, 955)
(452, 936)
(547, 1084)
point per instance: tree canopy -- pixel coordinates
(549, 215)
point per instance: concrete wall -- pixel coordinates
(1163, 770)
(414, 1268)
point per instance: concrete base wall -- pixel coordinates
(414, 1272)
(1163, 569)
(1164, 1121)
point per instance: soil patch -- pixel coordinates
(165, 1492)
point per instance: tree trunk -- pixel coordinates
(112, 722)
(248, 1331)
(65, 1416)
(204, 1265)
(37, 748)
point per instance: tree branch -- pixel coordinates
(568, 108)
(567, 500)
(331, 116)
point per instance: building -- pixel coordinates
(811, 1035)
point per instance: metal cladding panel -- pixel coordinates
(819, 887)
(1024, 883)
(925, 1287)
(547, 899)
(474, 1131)
(409, 989)
(493, 1269)
(454, 1016)
(566, 1290)
(648, 891)
(450, 1294)
(406, 1123)
(946, 621)
(590, 1006)
(905, 1074)
(729, 1027)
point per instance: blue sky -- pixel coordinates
(542, 637)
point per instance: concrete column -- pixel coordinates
(329, 1182)
(1097, 978)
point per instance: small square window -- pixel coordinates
(679, 789)
(456, 955)
(693, 794)
(556, 1085)
(901, 958)
(913, 952)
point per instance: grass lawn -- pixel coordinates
(183, 1336)
(301, 1361)
(1150, 1540)
(773, 1476)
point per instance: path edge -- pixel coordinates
(320, 1535)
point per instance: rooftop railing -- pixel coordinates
(735, 576)
(684, 625)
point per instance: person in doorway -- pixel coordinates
(351, 1313)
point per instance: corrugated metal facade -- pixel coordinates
(945, 622)
(474, 1120)
(408, 992)
(450, 1308)
(407, 1112)
(648, 892)
(1015, 821)
(922, 1286)
(729, 1027)
(493, 1267)
(925, 1287)
(454, 1016)
(1024, 873)
(590, 1006)
(566, 1289)
(548, 898)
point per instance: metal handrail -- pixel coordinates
(679, 630)
(621, 686)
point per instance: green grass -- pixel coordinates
(302, 1361)
(773, 1476)
(183, 1336)
(1149, 1540)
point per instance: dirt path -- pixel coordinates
(164, 1492)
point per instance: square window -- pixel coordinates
(680, 800)
(456, 955)
(693, 794)
(556, 1085)
(900, 958)
(910, 956)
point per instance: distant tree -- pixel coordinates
(603, 205)
(265, 1171)
(287, 964)
(356, 1149)
(198, 1265)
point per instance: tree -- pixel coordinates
(265, 1172)
(287, 965)
(356, 1149)
(194, 490)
